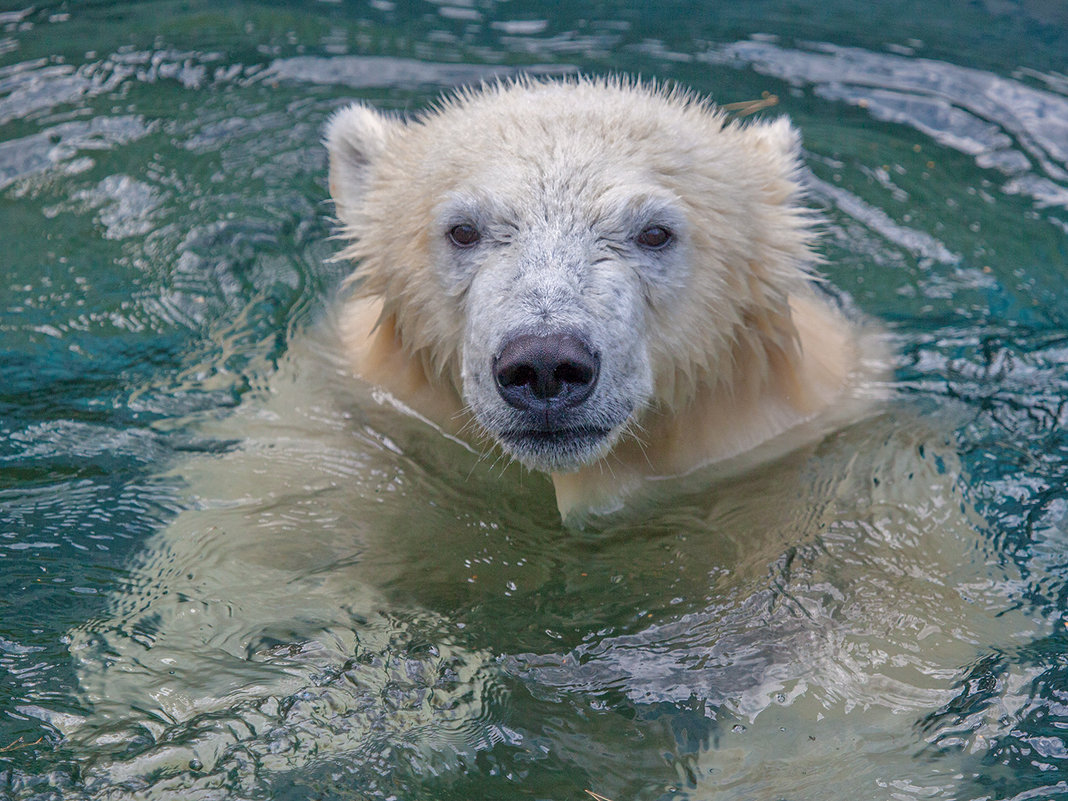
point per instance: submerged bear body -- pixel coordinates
(610, 284)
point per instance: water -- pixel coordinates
(344, 606)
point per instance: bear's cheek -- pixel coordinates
(485, 323)
(666, 279)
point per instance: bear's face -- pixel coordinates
(566, 254)
(555, 265)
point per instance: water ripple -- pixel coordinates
(33, 154)
(360, 72)
(1003, 123)
(243, 651)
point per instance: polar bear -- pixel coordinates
(608, 280)
(612, 283)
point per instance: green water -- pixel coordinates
(342, 605)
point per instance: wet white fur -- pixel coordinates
(710, 347)
(845, 595)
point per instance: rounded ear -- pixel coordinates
(779, 136)
(356, 136)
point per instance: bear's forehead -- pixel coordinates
(557, 152)
(570, 155)
(578, 126)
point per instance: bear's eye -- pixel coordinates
(654, 237)
(464, 235)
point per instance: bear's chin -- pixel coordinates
(558, 450)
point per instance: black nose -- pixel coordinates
(535, 372)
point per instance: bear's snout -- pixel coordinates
(542, 373)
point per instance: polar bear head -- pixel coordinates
(567, 255)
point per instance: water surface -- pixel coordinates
(342, 605)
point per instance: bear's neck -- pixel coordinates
(378, 356)
(774, 387)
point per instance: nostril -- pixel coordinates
(574, 373)
(517, 375)
(533, 371)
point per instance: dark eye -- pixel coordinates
(464, 235)
(654, 237)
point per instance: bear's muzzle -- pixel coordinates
(546, 376)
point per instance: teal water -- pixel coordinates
(400, 628)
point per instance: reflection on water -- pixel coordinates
(1005, 124)
(325, 596)
(223, 574)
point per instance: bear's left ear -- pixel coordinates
(355, 138)
(780, 139)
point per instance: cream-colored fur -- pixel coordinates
(283, 620)
(330, 596)
(725, 346)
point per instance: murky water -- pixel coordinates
(226, 573)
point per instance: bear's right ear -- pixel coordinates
(355, 138)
